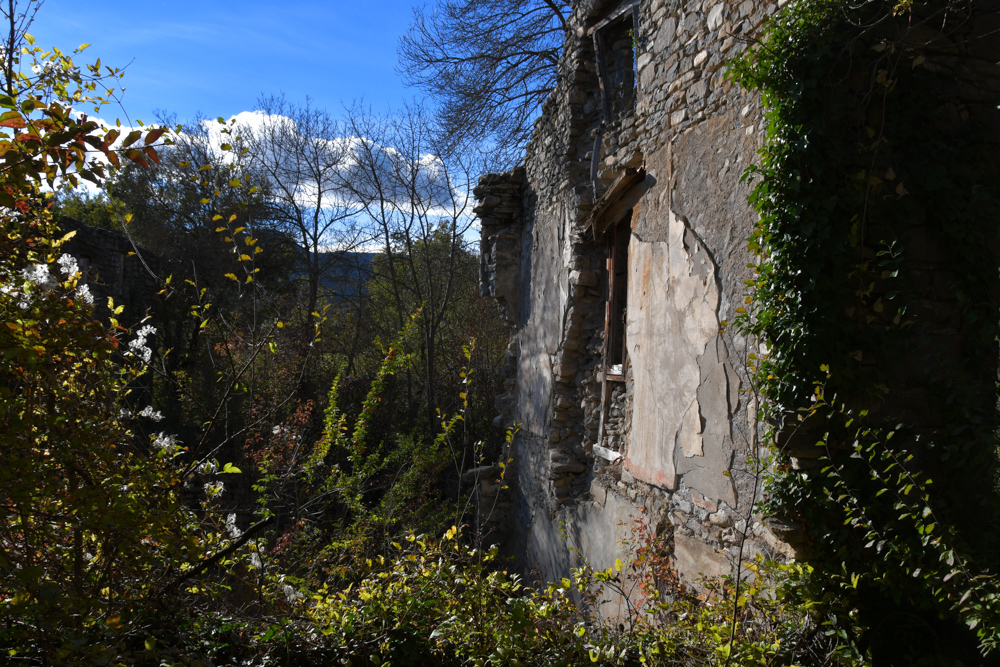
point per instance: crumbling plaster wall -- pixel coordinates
(672, 442)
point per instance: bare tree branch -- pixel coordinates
(300, 151)
(489, 64)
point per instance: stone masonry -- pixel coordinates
(111, 268)
(616, 252)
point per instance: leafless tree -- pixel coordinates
(18, 20)
(416, 197)
(489, 64)
(299, 151)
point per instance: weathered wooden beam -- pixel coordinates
(610, 208)
(615, 14)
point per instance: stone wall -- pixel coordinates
(618, 252)
(643, 141)
(111, 268)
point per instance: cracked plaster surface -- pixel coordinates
(682, 387)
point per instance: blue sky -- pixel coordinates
(217, 58)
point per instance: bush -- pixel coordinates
(443, 602)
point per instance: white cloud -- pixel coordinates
(419, 185)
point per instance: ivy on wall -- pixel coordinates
(875, 295)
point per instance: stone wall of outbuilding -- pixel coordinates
(112, 268)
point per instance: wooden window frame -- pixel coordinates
(615, 311)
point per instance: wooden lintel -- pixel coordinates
(614, 15)
(606, 211)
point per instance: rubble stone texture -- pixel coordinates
(112, 268)
(641, 85)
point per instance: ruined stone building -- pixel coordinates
(111, 268)
(617, 253)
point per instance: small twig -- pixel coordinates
(212, 560)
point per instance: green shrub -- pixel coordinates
(443, 602)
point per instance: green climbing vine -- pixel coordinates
(874, 296)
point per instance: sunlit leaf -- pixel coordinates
(131, 138)
(154, 134)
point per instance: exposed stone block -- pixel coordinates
(707, 504)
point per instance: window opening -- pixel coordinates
(85, 270)
(617, 302)
(614, 41)
(615, 356)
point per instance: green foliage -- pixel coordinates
(93, 529)
(87, 513)
(436, 275)
(103, 560)
(117, 548)
(227, 366)
(84, 207)
(42, 139)
(860, 173)
(443, 602)
(761, 617)
(355, 490)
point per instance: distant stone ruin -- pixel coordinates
(111, 268)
